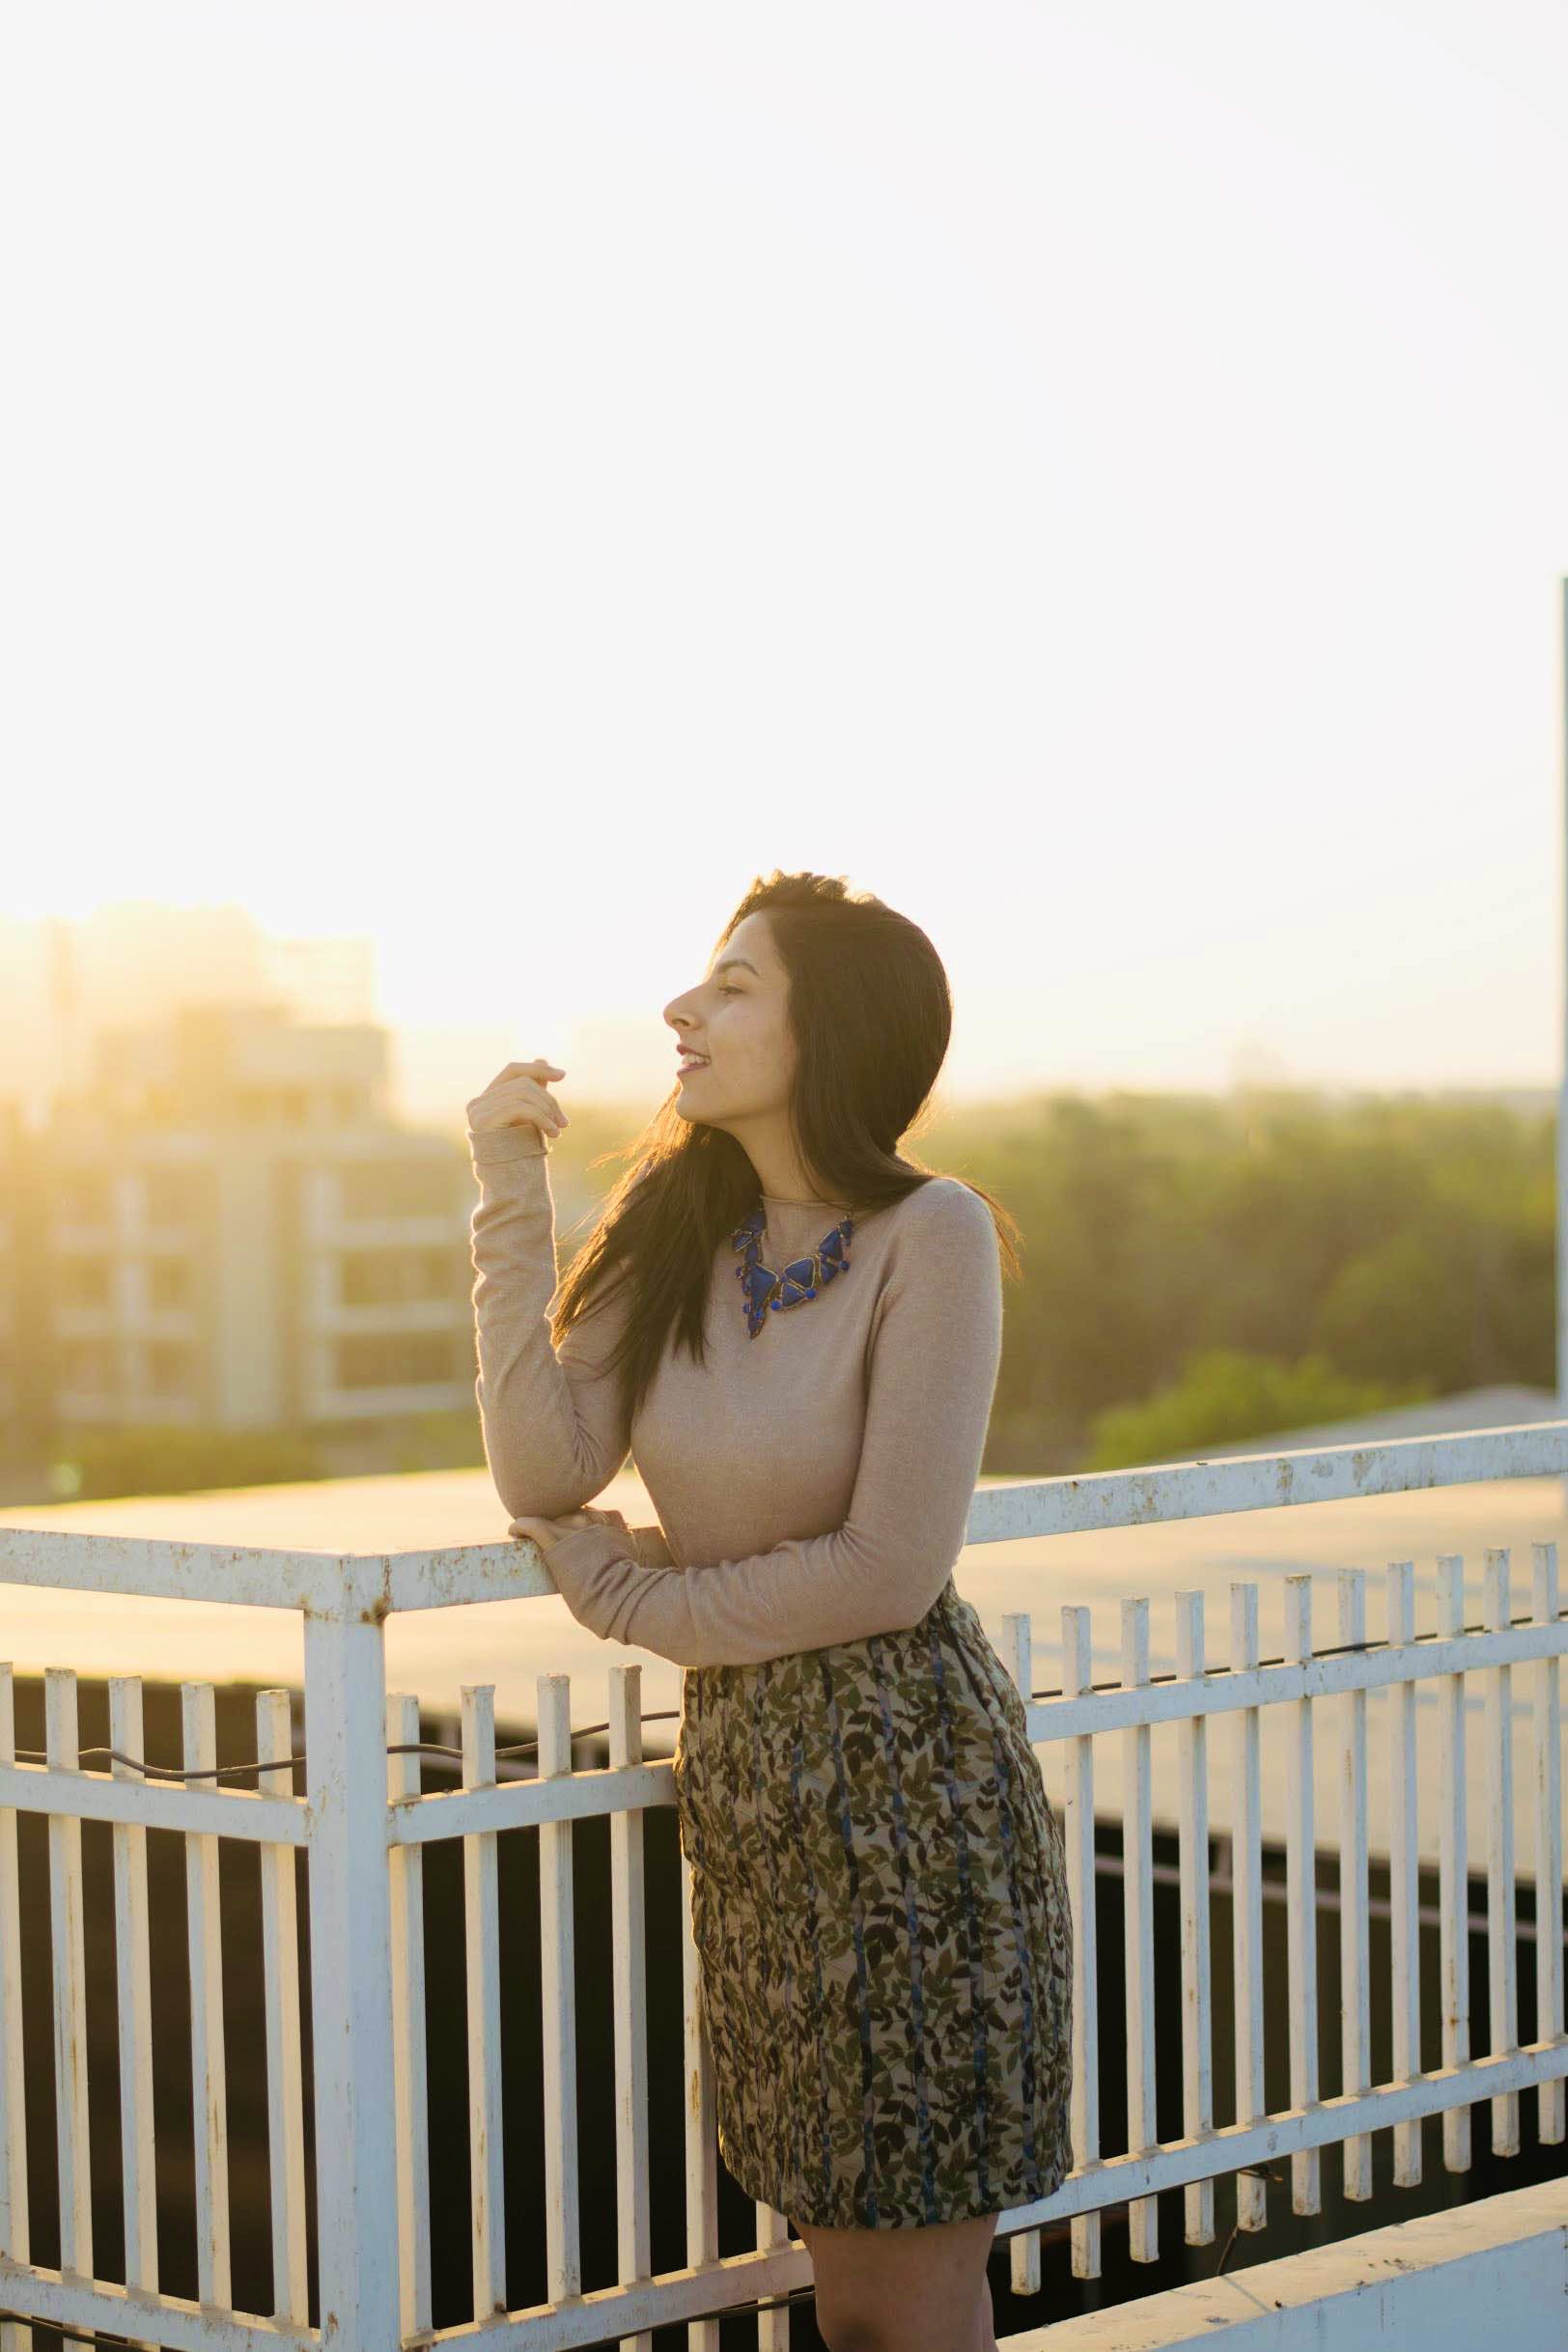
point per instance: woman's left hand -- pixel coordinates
(547, 1533)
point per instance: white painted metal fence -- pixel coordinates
(364, 1826)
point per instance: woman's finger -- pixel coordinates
(510, 1102)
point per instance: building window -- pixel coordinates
(84, 1198)
(372, 1277)
(439, 1273)
(413, 1359)
(169, 1283)
(398, 1188)
(168, 1368)
(85, 1367)
(84, 1281)
(397, 1277)
(166, 1193)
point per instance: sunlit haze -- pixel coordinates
(490, 480)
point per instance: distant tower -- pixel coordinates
(64, 983)
(330, 981)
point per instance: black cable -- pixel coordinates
(659, 1714)
(1260, 2172)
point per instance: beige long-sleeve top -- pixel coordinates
(813, 1483)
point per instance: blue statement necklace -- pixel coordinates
(795, 1283)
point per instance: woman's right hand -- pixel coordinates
(517, 1097)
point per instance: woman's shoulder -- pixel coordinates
(941, 1208)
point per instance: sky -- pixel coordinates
(494, 478)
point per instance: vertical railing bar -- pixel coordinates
(629, 1946)
(701, 2112)
(280, 1982)
(1246, 1904)
(1403, 1870)
(483, 1963)
(14, 2229)
(207, 2072)
(1354, 1952)
(410, 2090)
(1077, 1673)
(1453, 1864)
(558, 2000)
(1197, 2078)
(772, 2230)
(1301, 1878)
(350, 1970)
(1502, 1944)
(134, 2000)
(1025, 2272)
(1138, 1917)
(65, 1933)
(1549, 1971)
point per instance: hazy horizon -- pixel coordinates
(130, 963)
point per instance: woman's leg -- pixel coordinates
(904, 2290)
(986, 2340)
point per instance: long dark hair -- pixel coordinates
(871, 1013)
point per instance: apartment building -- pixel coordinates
(228, 1229)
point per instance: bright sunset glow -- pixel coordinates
(490, 479)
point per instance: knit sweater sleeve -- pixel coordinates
(935, 1356)
(554, 1433)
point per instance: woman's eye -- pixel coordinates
(726, 990)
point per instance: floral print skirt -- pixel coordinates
(879, 1909)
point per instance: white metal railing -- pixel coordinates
(364, 1825)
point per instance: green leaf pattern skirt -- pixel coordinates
(880, 1914)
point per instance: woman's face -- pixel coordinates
(738, 1017)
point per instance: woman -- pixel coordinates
(798, 1332)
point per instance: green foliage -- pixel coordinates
(160, 1460)
(1224, 1395)
(1404, 1240)
(438, 1441)
(1197, 1270)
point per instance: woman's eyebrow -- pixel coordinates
(734, 960)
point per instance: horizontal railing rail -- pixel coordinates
(335, 1583)
(364, 1821)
